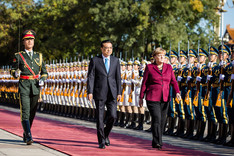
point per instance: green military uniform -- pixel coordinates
(33, 71)
(28, 85)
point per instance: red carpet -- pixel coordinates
(79, 140)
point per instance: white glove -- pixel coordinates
(221, 63)
(198, 78)
(84, 80)
(127, 82)
(64, 80)
(179, 66)
(123, 80)
(208, 77)
(78, 81)
(41, 83)
(179, 78)
(198, 65)
(210, 64)
(189, 65)
(221, 77)
(232, 76)
(188, 78)
(134, 81)
(233, 63)
(17, 74)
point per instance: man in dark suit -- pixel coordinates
(104, 86)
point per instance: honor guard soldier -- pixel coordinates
(212, 85)
(189, 92)
(182, 86)
(128, 96)
(120, 107)
(132, 96)
(221, 91)
(137, 87)
(230, 103)
(172, 105)
(226, 89)
(32, 76)
(120, 103)
(201, 89)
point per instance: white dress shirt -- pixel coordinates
(103, 57)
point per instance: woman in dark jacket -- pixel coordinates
(156, 85)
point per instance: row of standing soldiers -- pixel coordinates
(206, 89)
(207, 95)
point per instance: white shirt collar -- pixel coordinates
(28, 52)
(105, 57)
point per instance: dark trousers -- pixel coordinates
(111, 105)
(158, 112)
(28, 107)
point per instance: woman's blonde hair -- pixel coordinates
(159, 50)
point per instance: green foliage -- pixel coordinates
(69, 28)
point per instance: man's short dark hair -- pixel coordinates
(105, 41)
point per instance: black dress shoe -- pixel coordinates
(102, 146)
(107, 141)
(159, 147)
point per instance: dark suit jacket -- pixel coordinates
(156, 84)
(99, 81)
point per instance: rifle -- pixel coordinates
(170, 54)
(179, 73)
(207, 96)
(132, 89)
(195, 101)
(124, 87)
(230, 96)
(219, 99)
(187, 98)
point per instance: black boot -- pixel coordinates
(219, 134)
(231, 142)
(92, 118)
(171, 131)
(190, 129)
(169, 126)
(180, 128)
(213, 132)
(81, 110)
(128, 119)
(27, 132)
(117, 119)
(121, 123)
(196, 137)
(224, 135)
(90, 114)
(149, 130)
(141, 121)
(147, 117)
(209, 131)
(134, 119)
(84, 114)
(203, 127)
